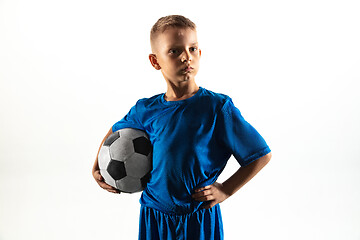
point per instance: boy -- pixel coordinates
(193, 132)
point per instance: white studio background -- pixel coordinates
(70, 69)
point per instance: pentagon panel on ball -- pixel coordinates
(125, 160)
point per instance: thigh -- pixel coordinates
(155, 225)
(205, 224)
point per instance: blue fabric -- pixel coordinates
(205, 224)
(192, 141)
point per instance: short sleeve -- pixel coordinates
(130, 120)
(239, 137)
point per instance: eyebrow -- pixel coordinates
(175, 46)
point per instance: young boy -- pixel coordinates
(194, 132)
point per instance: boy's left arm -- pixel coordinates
(217, 192)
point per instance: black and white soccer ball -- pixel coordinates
(125, 160)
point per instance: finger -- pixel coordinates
(114, 191)
(98, 176)
(202, 194)
(100, 180)
(111, 189)
(205, 198)
(203, 188)
(106, 186)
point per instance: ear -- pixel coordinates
(199, 52)
(154, 62)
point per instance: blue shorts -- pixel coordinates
(204, 224)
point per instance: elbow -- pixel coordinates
(267, 157)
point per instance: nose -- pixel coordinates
(186, 57)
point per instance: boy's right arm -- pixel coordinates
(96, 171)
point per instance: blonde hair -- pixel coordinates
(169, 21)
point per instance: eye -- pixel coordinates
(193, 49)
(173, 51)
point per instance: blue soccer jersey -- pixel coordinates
(192, 141)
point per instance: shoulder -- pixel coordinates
(221, 103)
(147, 102)
(214, 97)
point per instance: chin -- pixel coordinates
(187, 79)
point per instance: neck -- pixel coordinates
(180, 91)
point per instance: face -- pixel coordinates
(176, 54)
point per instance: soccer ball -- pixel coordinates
(125, 160)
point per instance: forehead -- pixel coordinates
(176, 36)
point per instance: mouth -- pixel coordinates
(187, 69)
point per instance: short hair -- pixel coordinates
(170, 21)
